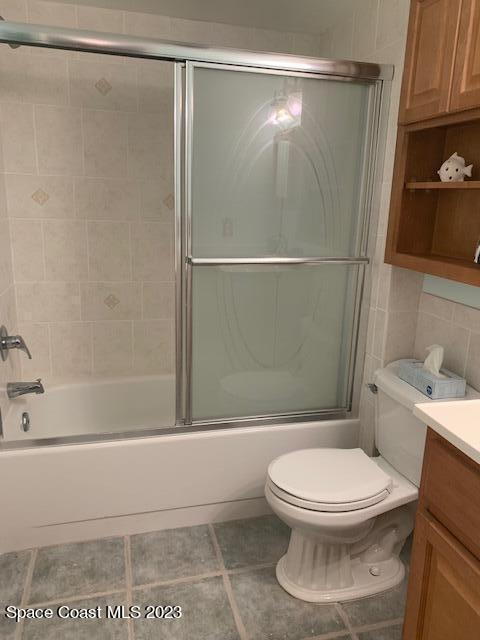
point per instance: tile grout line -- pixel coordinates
(343, 615)
(174, 581)
(242, 632)
(379, 625)
(128, 581)
(26, 592)
(76, 597)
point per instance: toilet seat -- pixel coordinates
(331, 480)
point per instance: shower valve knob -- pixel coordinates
(11, 342)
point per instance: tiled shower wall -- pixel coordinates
(402, 320)
(87, 151)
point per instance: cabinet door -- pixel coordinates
(429, 58)
(466, 77)
(444, 586)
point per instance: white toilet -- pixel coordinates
(351, 514)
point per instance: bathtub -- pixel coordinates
(63, 492)
(106, 405)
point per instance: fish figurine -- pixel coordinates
(454, 169)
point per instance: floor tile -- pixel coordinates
(13, 572)
(102, 629)
(252, 541)
(387, 633)
(389, 605)
(268, 612)
(206, 613)
(78, 569)
(174, 553)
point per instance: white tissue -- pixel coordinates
(433, 362)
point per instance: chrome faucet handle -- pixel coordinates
(11, 342)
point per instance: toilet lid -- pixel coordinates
(345, 479)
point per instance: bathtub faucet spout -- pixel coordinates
(15, 389)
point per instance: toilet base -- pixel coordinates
(390, 573)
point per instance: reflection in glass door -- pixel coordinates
(277, 188)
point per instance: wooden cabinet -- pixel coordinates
(443, 600)
(465, 92)
(429, 58)
(434, 227)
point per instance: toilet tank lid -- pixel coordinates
(387, 380)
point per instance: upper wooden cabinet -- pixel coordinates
(429, 62)
(465, 92)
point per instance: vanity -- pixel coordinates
(443, 601)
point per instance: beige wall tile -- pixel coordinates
(342, 38)
(51, 13)
(14, 10)
(150, 146)
(149, 25)
(155, 87)
(152, 346)
(103, 85)
(65, 250)
(384, 285)
(305, 44)
(454, 339)
(109, 251)
(39, 196)
(406, 286)
(156, 200)
(112, 348)
(6, 269)
(37, 337)
(269, 40)
(105, 144)
(98, 19)
(18, 139)
(27, 78)
(10, 369)
(473, 362)
(48, 301)
(71, 348)
(437, 306)
(106, 199)
(227, 35)
(158, 300)
(392, 21)
(379, 334)
(400, 335)
(152, 251)
(27, 250)
(193, 31)
(59, 140)
(111, 301)
(467, 317)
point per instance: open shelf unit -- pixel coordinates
(434, 226)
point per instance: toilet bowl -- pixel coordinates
(351, 514)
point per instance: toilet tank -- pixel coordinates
(399, 435)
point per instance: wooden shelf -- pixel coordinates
(436, 265)
(470, 184)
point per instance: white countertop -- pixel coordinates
(458, 421)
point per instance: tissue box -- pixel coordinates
(436, 388)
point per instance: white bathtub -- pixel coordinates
(106, 405)
(68, 492)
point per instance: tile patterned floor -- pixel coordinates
(222, 575)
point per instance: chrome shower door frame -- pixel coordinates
(189, 261)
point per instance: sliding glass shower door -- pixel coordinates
(277, 173)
